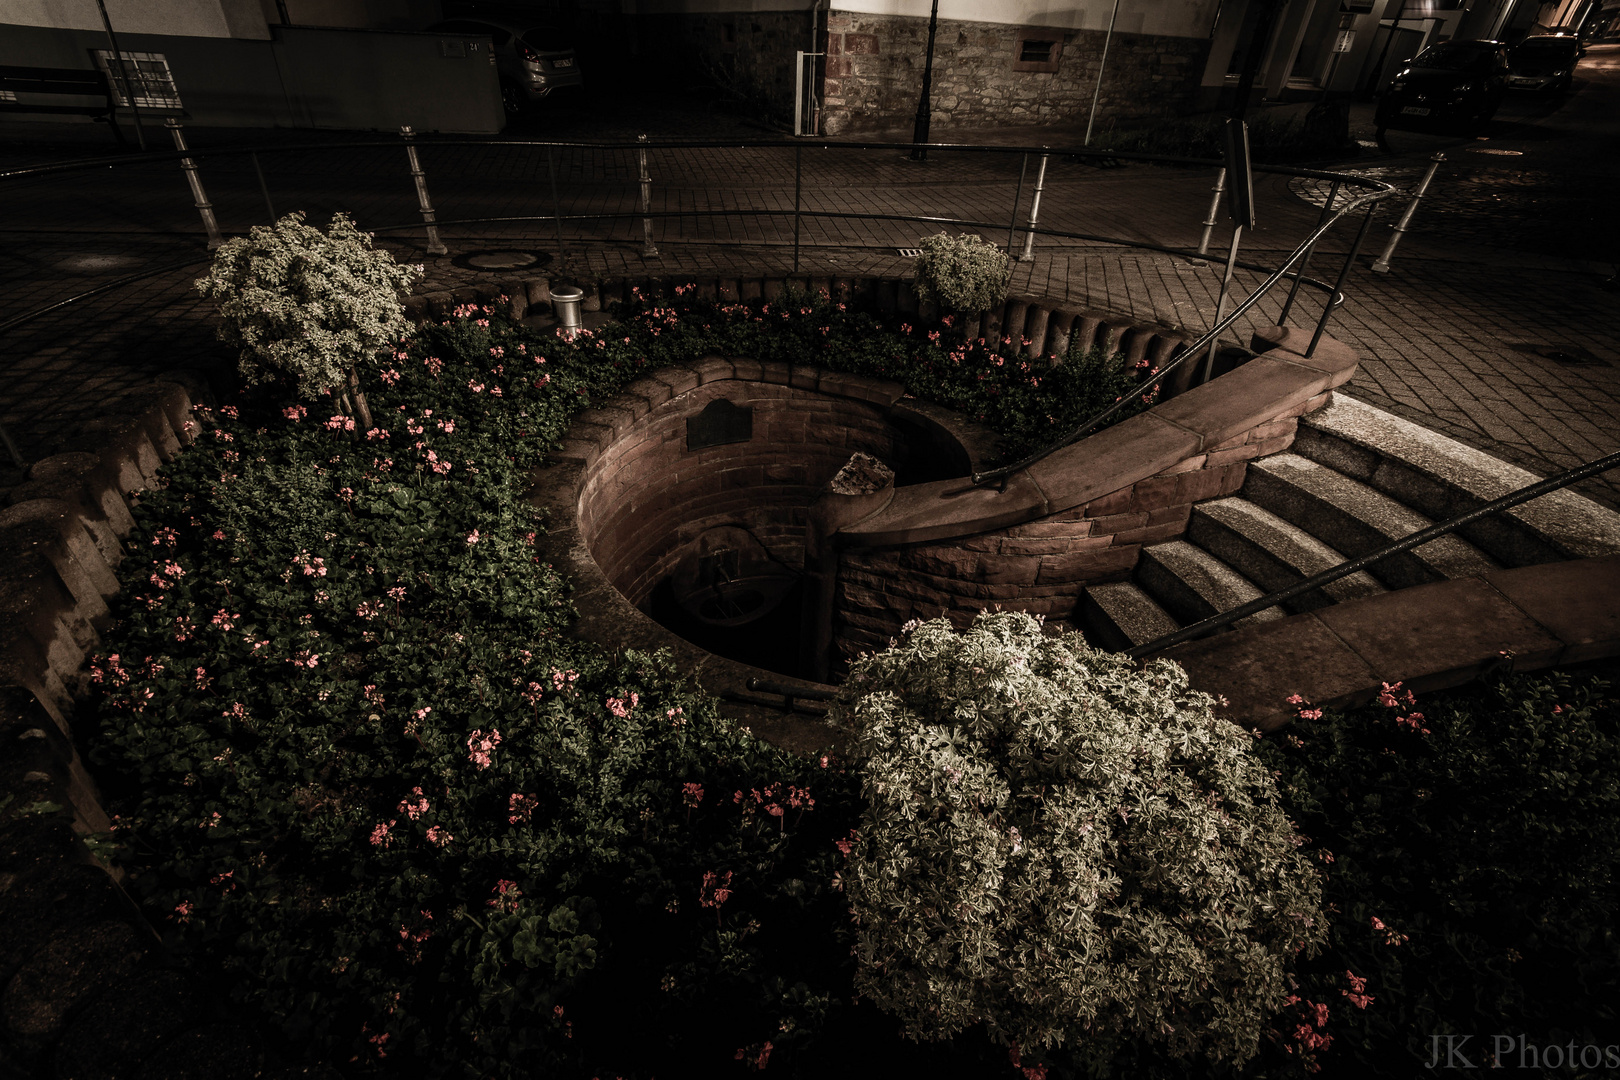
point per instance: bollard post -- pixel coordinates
(1381, 266)
(198, 196)
(434, 246)
(1214, 208)
(648, 250)
(1034, 213)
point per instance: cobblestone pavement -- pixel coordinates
(1484, 333)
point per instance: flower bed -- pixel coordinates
(361, 766)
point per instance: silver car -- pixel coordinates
(531, 62)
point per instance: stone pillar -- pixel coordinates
(862, 487)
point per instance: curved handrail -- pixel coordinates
(1361, 562)
(1209, 337)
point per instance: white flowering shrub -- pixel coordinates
(307, 305)
(961, 273)
(1070, 849)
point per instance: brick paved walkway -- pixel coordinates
(1456, 337)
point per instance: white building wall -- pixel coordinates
(180, 18)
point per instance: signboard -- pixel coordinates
(1344, 41)
(1239, 177)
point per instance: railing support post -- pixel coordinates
(1034, 213)
(434, 245)
(1214, 208)
(1381, 265)
(204, 208)
(1220, 304)
(798, 184)
(1305, 260)
(648, 248)
(1338, 286)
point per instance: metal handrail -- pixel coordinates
(1533, 491)
(1196, 349)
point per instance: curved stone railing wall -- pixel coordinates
(1081, 515)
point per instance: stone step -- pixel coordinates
(1273, 553)
(1441, 478)
(1353, 518)
(1191, 584)
(1119, 616)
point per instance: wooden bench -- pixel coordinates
(60, 82)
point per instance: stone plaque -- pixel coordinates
(719, 423)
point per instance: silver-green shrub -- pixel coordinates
(307, 305)
(961, 273)
(1066, 847)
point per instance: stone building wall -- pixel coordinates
(874, 72)
(748, 54)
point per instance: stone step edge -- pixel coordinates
(1569, 522)
(1453, 631)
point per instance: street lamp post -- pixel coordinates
(919, 131)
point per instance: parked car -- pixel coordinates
(1455, 83)
(1544, 63)
(531, 62)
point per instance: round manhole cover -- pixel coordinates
(502, 260)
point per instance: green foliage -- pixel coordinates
(1066, 848)
(307, 306)
(1473, 857)
(961, 273)
(360, 766)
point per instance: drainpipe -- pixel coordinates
(862, 488)
(919, 129)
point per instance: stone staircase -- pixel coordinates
(1355, 479)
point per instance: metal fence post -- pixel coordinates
(264, 187)
(1034, 213)
(648, 249)
(1018, 197)
(198, 196)
(556, 212)
(434, 246)
(1214, 208)
(1382, 264)
(798, 186)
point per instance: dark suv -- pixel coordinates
(1455, 83)
(531, 62)
(1544, 63)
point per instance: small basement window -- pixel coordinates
(149, 74)
(1035, 52)
(1037, 49)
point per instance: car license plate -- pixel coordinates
(1414, 110)
(1522, 81)
(562, 63)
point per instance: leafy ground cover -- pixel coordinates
(361, 767)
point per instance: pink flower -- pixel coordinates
(379, 835)
(295, 413)
(182, 912)
(438, 836)
(519, 808)
(390, 376)
(480, 746)
(691, 794)
(1358, 991)
(617, 708)
(414, 805)
(340, 423)
(472, 537)
(716, 890)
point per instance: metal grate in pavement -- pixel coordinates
(909, 253)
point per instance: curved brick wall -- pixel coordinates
(645, 496)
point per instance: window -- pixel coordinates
(1037, 48)
(148, 73)
(1035, 52)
